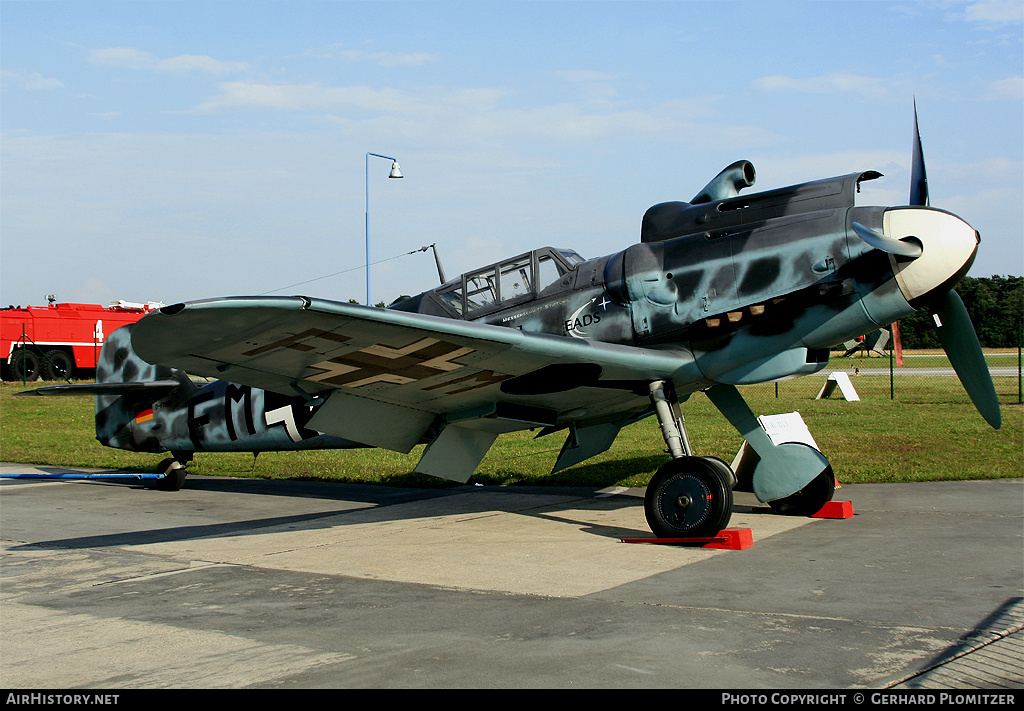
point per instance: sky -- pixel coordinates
(171, 151)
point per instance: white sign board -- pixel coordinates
(788, 427)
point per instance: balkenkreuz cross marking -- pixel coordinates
(384, 364)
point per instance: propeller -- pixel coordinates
(956, 333)
(954, 327)
(918, 176)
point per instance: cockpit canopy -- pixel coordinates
(511, 281)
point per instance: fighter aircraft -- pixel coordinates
(721, 291)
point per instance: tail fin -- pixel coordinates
(126, 390)
(119, 364)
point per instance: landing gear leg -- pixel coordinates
(791, 477)
(673, 428)
(689, 496)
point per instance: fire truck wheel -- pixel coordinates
(25, 364)
(59, 366)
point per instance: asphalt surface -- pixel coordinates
(245, 583)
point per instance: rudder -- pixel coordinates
(143, 386)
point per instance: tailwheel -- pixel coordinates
(809, 500)
(688, 497)
(174, 475)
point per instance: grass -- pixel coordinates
(929, 432)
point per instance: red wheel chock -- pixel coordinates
(835, 509)
(733, 539)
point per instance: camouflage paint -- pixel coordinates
(725, 289)
(215, 417)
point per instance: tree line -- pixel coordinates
(995, 304)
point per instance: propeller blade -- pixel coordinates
(900, 248)
(918, 176)
(958, 338)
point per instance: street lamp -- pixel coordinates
(396, 172)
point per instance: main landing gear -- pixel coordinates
(692, 496)
(689, 496)
(810, 499)
(792, 478)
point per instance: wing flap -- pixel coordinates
(377, 424)
(456, 453)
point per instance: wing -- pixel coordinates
(394, 379)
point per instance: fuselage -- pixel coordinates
(755, 288)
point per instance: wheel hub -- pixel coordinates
(689, 496)
(686, 501)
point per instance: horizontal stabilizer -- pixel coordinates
(155, 388)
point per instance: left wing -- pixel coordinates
(394, 379)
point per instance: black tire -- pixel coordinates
(809, 500)
(727, 472)
(25, 365)
(59, 365)
(174, 472)
(688, 497)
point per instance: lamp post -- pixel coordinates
(396, 172)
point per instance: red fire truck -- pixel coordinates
(60, 341)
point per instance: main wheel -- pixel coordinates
(725, 469)
(809, 500)
(59, 366)
(688, 497)
(25, 364)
